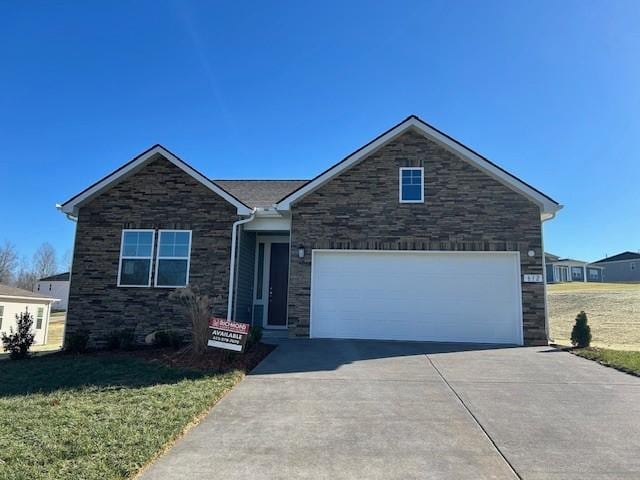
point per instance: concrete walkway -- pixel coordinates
(318, 409)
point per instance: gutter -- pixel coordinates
(232, 266)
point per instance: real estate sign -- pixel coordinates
(227, 334)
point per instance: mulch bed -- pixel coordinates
(213, 360)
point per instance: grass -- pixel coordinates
(613, 310)
(96, 416)
(622, 360)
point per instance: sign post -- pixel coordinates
(227, 334)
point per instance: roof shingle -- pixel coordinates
(259, 193)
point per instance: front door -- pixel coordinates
(278, 282)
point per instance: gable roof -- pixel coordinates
(7, 291)
(59, 277)
(72, 205)
(620, 256)
(548, 206)
(260, 193)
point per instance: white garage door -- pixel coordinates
(438, 296)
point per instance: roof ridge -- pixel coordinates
(259, 179)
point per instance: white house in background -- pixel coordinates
(570, 270)
(14, 301)
(55, 286)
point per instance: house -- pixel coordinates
(413, 236)
(14, 301)
(623, 267)
(570, 270)
(55, 286)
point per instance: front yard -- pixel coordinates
(613, 310)
(96, 416)
(626, 361)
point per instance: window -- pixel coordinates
(633, 265)
(39, 317)
(172, 262)
(136, 252)
(1, 315)
(576, 272)
(411, 185)
(593, 273)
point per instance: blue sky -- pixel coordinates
(548, 90)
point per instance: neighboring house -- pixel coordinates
(412, 237)
(570, 270)
(55, 286)
(14, 301)
(624, 267)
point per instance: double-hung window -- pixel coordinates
(412, 185)
(136, 252)
(172, 261)
(39, 318)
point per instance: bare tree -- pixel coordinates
(44, 261)
(8, 261)
(67, 258)
(26, 277)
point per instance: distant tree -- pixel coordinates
(26, 277)
(44, 261)
(8, 262)
(67, 258)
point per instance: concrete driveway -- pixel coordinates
(319, 409)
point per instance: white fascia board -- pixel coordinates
(71, 206)
(548, 208)
(34, 299)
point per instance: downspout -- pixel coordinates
(232, 266)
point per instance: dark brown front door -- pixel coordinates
(278, 281)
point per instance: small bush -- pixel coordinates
(255, 334)
(127, 340)
(18, 343)
(113, 340)
(77, 343)
(168, 338)
(581, 333)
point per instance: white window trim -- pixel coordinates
(187, 258)
(150, 257)
(402, 169)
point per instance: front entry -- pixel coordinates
(271, 281)
(278, 281)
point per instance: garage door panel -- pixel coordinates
(464, 297)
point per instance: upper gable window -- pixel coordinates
(411, 185)
(136, 252)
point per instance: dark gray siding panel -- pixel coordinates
(246, 263)
(622, 271)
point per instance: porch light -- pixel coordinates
(300, 251)
(531, 253)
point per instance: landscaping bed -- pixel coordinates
(106, 415)
(625, 361)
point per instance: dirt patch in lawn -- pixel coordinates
(613, 311)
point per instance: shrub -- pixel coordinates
(77, 343)
(581, 333)
(198, 309)
(18, 343)
(121, 340)
(255, 334)
(113, 340)
(127, 339)
(168, 338)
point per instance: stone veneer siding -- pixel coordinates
(159, 196)
(464, 209)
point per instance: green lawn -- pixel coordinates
(96, 417)
(622, 360)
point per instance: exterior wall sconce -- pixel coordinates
(300, 251)
(531, 253)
